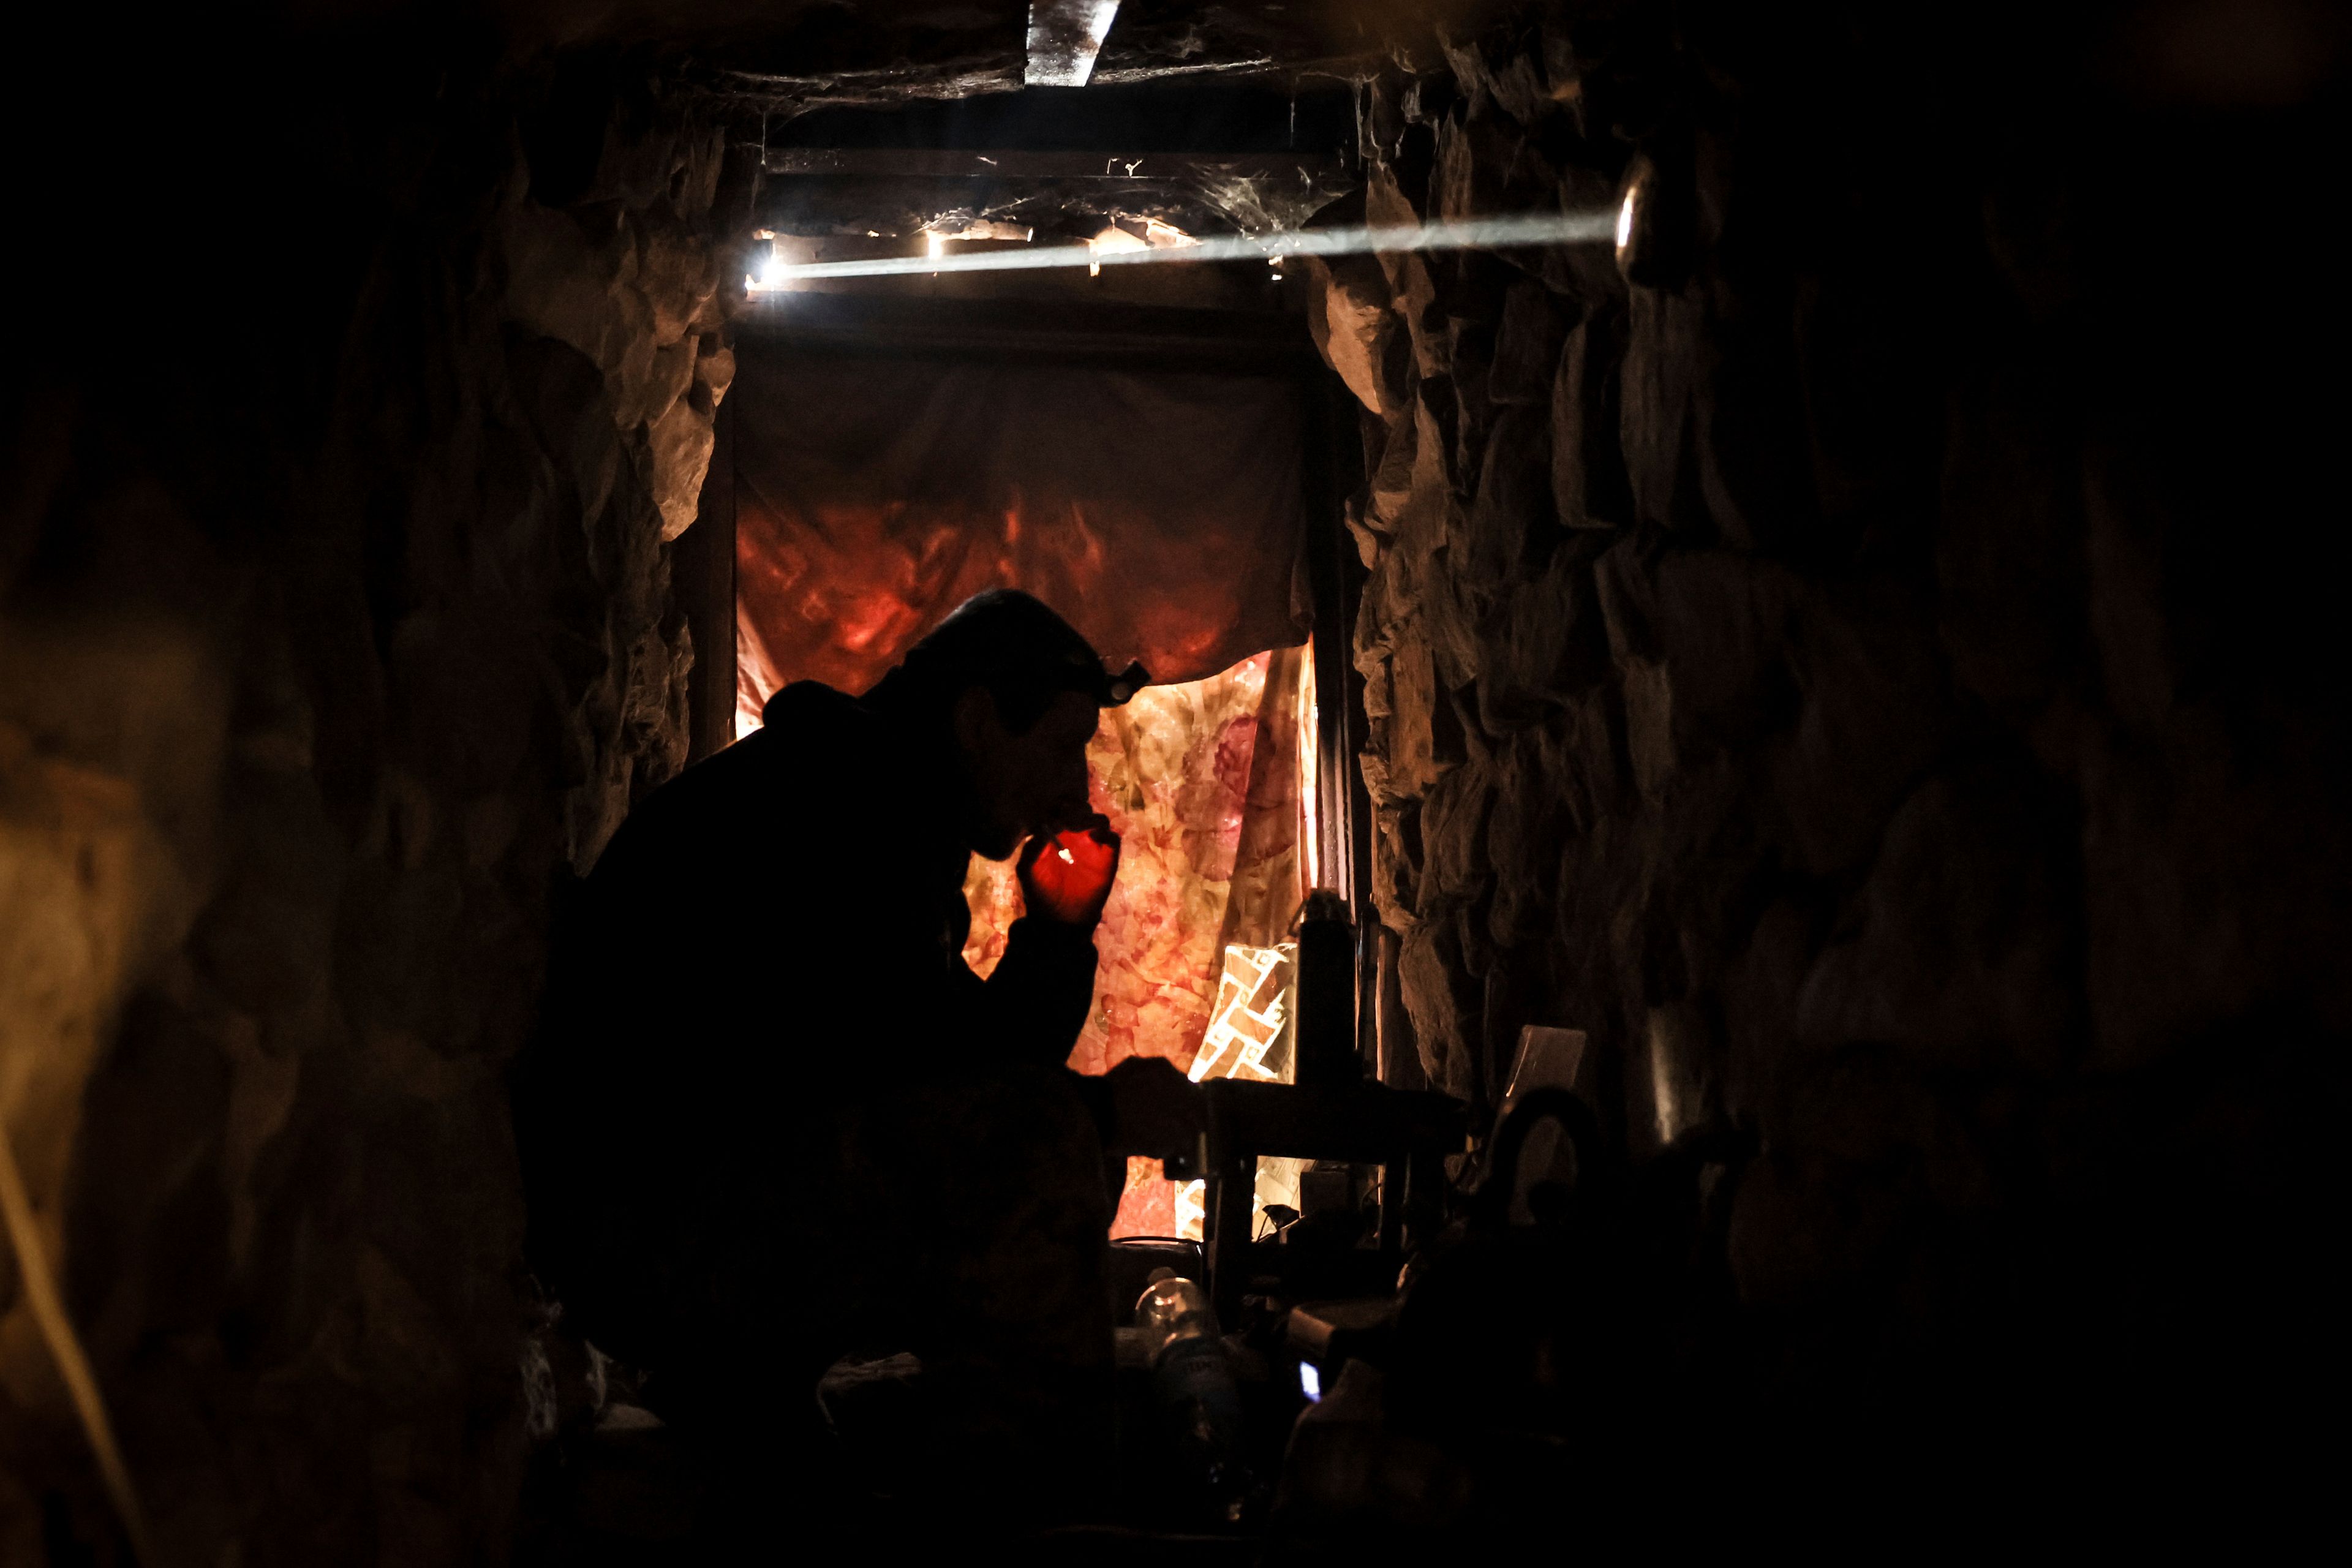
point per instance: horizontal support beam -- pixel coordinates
(940, 164)
(1364, 1124)
(1034, 331)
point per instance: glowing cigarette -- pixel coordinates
(1597, 227)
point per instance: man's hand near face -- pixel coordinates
(1066, 877)
(1154, 1109)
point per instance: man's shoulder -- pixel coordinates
(819, 752)
(813, 706)
(807, 727)
(826, 739)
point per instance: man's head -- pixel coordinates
(1015, 690)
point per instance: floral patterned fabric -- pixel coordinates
(1201, 782)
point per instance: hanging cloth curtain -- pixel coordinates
(1159, 513)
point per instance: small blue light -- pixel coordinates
(1310, 1382)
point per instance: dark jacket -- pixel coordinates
(773, 1115)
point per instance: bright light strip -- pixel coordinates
(1479, 234)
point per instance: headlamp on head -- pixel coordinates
(1118, 688)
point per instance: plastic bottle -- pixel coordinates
(1193, 1382)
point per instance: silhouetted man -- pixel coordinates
(775, 1120)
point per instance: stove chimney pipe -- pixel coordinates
(1326, 993)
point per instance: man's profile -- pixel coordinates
(774, 1119)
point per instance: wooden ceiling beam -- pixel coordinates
(933, 164)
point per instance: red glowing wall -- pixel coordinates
(1159, 514)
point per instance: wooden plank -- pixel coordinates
(1364, 1124)
(1145, 337)
(1010, 164)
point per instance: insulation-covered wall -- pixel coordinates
(1869, 675)
(334, 626)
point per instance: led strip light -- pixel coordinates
(1592, 228)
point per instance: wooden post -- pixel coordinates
(702, 577)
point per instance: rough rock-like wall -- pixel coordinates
(1841, 674)
(334, 624)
